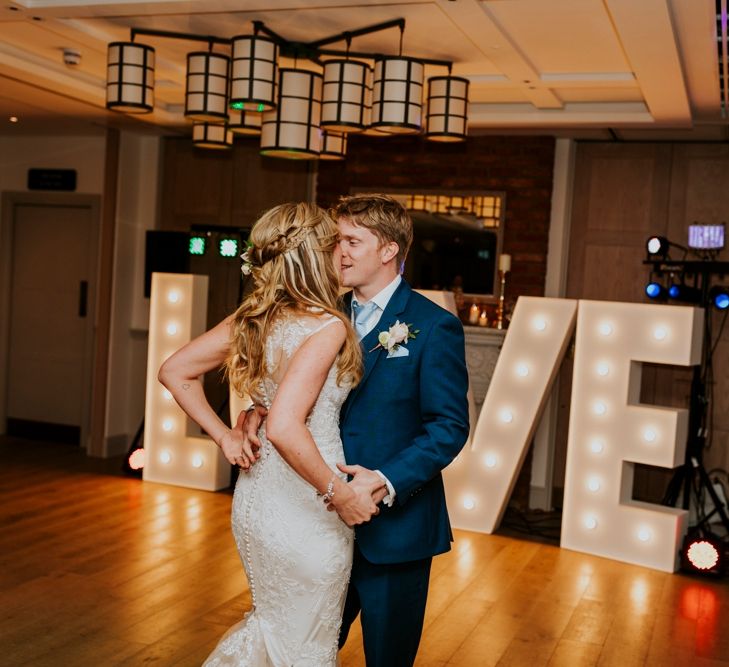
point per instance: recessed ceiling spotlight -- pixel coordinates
(13, 119)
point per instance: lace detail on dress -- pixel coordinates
(296, 554)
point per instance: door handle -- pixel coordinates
(83, 294)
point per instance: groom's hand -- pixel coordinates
(367, 490)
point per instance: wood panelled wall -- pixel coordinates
(225, 187)
(624, 193)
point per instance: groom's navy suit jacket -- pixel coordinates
(408, 418)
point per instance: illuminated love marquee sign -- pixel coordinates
(609, 431)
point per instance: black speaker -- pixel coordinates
(165, 252)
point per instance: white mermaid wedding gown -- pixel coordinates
(297, 555)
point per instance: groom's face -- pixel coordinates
(358, 255)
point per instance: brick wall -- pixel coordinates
(519, 166)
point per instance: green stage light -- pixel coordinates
(228, 248)
(237, 105)
(197, 245)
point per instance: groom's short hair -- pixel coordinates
(383, 215)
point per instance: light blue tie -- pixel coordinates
(362, 313)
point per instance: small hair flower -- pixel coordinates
(247, 265)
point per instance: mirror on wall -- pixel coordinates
(456, 239)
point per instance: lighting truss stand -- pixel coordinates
(693, 469)
(692, 476)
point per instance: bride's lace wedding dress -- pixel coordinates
(297, 555)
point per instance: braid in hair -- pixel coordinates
(292, 271)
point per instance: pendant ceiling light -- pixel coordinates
(244, 122)
(299, 113)
(254, 73)
(397, 96)
(447, 108)
(206, 92)
(212, 135)
(130, 77)
(333, 145)
(347, 95)
(292, 129)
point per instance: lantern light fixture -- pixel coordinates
(254, 72)
(244, 122)
(212, 135)
(333, 145)
(130, 77)
(447, 116)
(306, 114)
(206, 89)
(292, 128)
(346, 96)
(397, 95)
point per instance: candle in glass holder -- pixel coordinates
(483, 320)
(505, 263)
(473, 314)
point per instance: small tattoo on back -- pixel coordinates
(186, 386)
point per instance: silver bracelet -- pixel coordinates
(329, 494)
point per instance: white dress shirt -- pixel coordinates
(381, 299)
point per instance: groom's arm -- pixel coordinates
(443, 410)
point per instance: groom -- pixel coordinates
(401, 425)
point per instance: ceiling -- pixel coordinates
(620, 69)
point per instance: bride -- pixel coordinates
(292, 351)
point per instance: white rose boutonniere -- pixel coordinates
(398, 334)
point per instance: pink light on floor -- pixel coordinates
(137, 459)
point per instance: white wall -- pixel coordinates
(540, 495)
(136, 212)
(84, 154)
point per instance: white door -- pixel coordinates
(51, 320)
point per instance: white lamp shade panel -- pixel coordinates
(206, 91)
(333, 145)
(447, 117)
(397, 95)
(244, 122)
(346, 96)
(292, 129)
(212, 135)
(254, 73)
(130, 77)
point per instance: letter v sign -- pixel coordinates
(609, 430)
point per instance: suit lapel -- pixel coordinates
(394, 307)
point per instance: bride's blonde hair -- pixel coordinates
(293, 271)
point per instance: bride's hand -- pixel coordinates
(236, 447)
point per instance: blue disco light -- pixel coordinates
(684, 293)
(719, 296)
(654, 290)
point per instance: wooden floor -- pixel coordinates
(98, 569)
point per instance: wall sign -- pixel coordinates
(52, 179)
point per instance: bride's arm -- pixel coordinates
(286, 423)
(181, 375)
